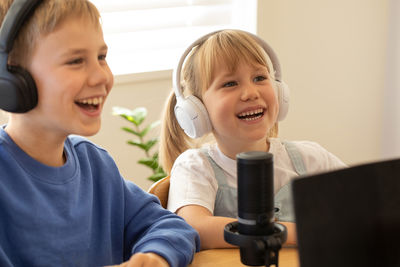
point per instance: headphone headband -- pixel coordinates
(19, 12)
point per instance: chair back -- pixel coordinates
(161, 190)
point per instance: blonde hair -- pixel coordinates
(45, 19)
(228, 46)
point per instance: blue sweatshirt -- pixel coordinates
(81, 214)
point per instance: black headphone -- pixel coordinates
(18, 92)
(190, 112)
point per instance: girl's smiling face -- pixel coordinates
(242, 106)
(72, 76)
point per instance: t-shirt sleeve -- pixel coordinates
(318, 159)
(192, 182)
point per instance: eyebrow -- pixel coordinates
(260, 68)
(227, 74)
(78, 51)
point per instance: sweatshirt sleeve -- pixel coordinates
(151, 228)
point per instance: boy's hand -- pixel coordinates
(145, 260)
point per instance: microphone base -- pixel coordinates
(257, 250)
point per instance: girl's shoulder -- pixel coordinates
(192, 154)
(312, 153)
(304, 146)
(191, 160)
(202, 160)
(198, 154)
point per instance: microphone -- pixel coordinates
(255, 176)
(255, 232)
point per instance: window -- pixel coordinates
(150, 35)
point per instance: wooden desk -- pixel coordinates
(230, 257)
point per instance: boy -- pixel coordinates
(62, 199)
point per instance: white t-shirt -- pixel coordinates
(193, 181)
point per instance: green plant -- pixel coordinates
(136, 118)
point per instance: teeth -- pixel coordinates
(91, 101)
(252, 112)
(252, 118)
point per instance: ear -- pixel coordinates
(192, 116)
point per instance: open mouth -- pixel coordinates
(251, 115)
(90, 104)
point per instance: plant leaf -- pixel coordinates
(149, 127)
(130, 130)
(145, 146)
(155, 124)
(136, 116)
(157, 176)
(138, 144)
(145, 131)
(149, 162)
(123, 113)
(149, 144)
(118, 111)
(139, 114)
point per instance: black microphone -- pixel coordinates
(255, 174)
(255, 232)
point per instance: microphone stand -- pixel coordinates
(256, 250)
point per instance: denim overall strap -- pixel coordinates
(226, 198)
(283, 198)
(295, 157)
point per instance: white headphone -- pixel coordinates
(191, 113)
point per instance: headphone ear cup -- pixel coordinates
(192, 116)
(283, 94)
(25, 90)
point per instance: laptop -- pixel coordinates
(349, 217)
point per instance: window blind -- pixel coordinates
(150, 35)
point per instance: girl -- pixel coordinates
(228, 79)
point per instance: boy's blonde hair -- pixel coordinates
(227, 46)
(46, 18)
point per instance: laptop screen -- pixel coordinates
(349, 217)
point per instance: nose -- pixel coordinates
(249, 92)
(100, 74)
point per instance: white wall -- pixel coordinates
(391, 116)
(333, 58)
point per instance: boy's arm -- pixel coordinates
(144, 260)
(211, 228)
(149, 228)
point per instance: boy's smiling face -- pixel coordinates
(72, 77)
